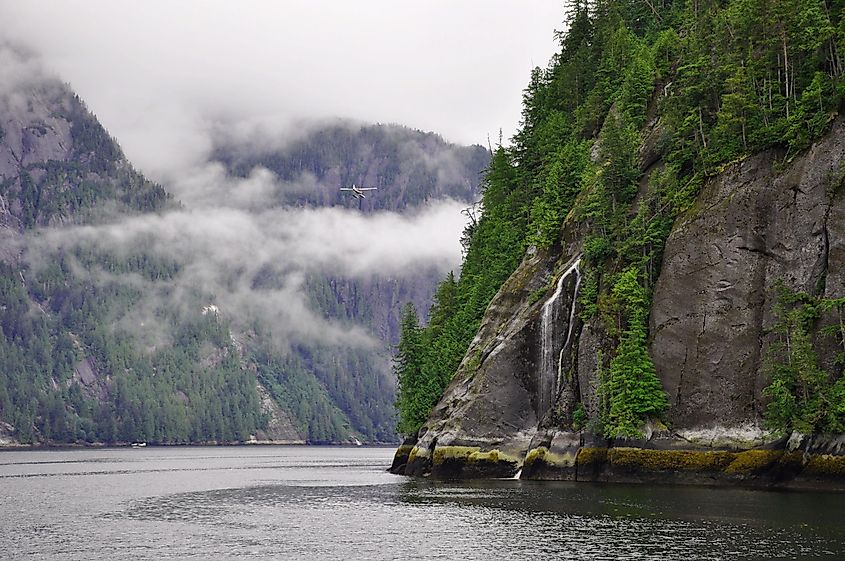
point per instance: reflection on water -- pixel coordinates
(338, 503)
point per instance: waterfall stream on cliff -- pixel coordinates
(550, 356)
(567, 343)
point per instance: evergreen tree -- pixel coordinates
(408, 367)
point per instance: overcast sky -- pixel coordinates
(162, 76)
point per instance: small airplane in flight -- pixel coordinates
(358, 192)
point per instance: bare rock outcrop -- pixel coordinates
(751, 227)
(280, 426)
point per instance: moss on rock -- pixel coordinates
(470, 454)
(419, 462)
(417, 453)
(758, 466)
(541, 454)
(753, 461)
(471, 461)
(591, 457)
(493, 456)
(791, 460)
(825, 465)
(400, 458)
(404, 451)
(445, 454)
(638, 459)
(534, 455)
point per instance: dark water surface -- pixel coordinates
(338, 503)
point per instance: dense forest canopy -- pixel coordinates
(410, 168)
(695, 85)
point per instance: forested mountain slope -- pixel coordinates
(113, 332)
(409, 167)
(672, 305)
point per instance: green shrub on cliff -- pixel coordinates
(630, 391)
(803, 396)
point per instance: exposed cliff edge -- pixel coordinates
(509, 408)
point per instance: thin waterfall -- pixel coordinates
(550, 357)
(568, 341)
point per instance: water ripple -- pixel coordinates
(339, 504)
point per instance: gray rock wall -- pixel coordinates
(750, 227)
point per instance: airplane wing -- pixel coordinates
(367, 188)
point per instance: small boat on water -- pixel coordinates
(138, 444)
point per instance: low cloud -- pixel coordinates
(209, 186)
(18, 68)
(20, 72)
(234, 243)
(333, 240)
(253, 265)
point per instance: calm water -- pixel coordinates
(338, 503)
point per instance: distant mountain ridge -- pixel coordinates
(74, 368)
(409, 167)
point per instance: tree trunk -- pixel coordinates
(786, 76)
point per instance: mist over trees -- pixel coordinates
(133, 314)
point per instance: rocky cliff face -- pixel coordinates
(32, 135)
(751, 226)
(57, 161)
